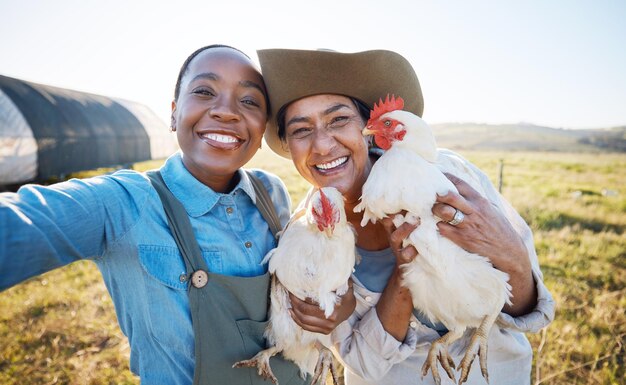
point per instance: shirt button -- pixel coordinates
(368, 299)
(183, 277)
(229, 210)
(248, 244)
(199, 279)
(413, 324)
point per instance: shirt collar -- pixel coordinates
(196, 197)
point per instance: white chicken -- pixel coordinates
(314, 259)
(447, 284)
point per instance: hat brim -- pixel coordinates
(368, 76)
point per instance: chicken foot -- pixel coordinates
(439, 352)
(261, 361)
(477, 345)
(324, 363)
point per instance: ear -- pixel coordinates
(173, 118)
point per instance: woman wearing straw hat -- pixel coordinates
(320, 101)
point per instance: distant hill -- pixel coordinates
(528, 137)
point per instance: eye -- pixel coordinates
(339, 121)
(250, 102)
(203, 92)
(387, 123)
(300, 132)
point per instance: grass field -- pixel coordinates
(60, 328)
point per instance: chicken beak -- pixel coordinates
(328, 231)
(368, 131)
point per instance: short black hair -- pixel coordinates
(362, 108)
(185, 65)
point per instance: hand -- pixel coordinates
(484, 230)
(308, 315)
(396, 237)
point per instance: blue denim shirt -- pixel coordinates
(118, 221)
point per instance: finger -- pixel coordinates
(464, 188)
(406, 229)
(443, 211)
(310, 323)
(306, 306)
(408, 254)
(456, 201)
(295, 318)
(397, 238)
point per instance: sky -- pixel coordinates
(559, 63)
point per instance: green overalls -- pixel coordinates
(229, 314)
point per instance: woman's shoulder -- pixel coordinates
(270, 181)
(122, 186)
(277, 191)
(127, 179)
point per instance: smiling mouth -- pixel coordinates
(332, 165)
(220, 138)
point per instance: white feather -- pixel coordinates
(447, 283)
(308, 263)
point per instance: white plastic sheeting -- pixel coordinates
(18, 147)
(162, 142)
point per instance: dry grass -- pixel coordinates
(60, 328)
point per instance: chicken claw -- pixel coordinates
(261, 361)
(324, 363)
(477, 346)
(438, 352)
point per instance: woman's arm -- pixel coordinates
(42, 228)
(395, 305)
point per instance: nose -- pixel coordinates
(323, 142)
(224, 109)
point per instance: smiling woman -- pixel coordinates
(180, 248)
(386, 340)
(323, 133)
(219, 116)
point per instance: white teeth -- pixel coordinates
(333, 164)
(221, 138)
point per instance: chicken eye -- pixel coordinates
(387, 123)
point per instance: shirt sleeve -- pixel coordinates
(543, 313)
(366, 349)
(42, 228)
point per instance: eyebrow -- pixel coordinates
(334, 108)
(251, 84)
(215, 77)
(328, 111)
(205, 75)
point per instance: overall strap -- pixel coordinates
(265, 205)
(179, 224)
(221, 310)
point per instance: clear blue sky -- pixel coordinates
(554, 63)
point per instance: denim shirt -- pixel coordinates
(118, 222)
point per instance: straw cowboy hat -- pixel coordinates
(368, 76)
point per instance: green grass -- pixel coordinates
(60, 328)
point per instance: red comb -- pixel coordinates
(387, 106)
(327, 207)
